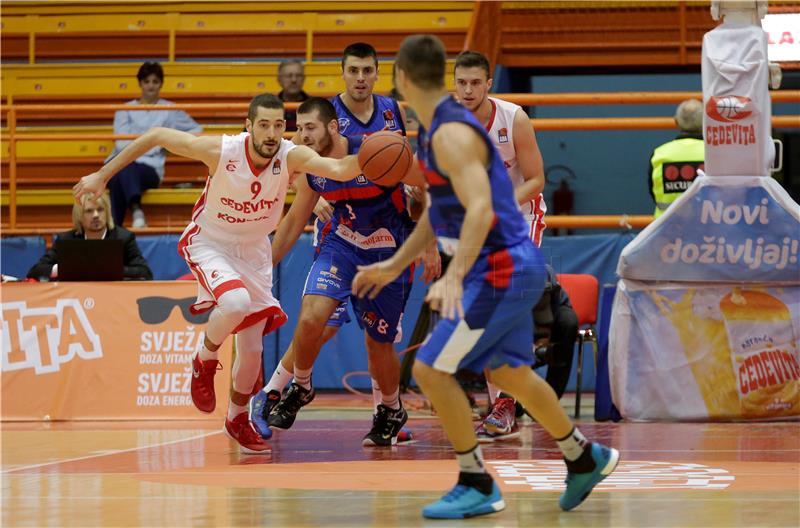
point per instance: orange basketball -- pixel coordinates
(385, 157)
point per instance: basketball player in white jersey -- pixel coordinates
(512, 133)
(226, 244)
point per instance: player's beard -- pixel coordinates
(265, 151)
(325, 145)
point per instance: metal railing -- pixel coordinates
(547, 124)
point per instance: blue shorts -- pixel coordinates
(499, 293)
(332, 274)
(340, 316)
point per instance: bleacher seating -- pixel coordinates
(234, 30)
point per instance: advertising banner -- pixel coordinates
(738, 112)
(694, 352)
(94, 351)
(722, 229)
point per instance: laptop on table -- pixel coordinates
(90, 260)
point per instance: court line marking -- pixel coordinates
(422, 495)
(109, 453)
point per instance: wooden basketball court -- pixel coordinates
(317, 474)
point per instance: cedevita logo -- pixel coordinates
(728, 108)
(45, 337)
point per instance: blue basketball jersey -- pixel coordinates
(365, 215)
(385, 115)
(446, 212)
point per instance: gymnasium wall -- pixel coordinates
(609, 166)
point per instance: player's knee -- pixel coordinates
(234, 303)
(426, 375)
(378, 348)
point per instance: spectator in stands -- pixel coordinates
(291, 76)
(673, 165)
(93, 221)
(146, 172)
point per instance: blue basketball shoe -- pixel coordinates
(580, 485)
(259, 408)
(465, 501)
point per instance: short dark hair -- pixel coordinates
(327, 112)
(422, 58)
(289, 62)
(362, 50)
(150, 68)
(265, 100)
(473, 59)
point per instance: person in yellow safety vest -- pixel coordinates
(673, 166)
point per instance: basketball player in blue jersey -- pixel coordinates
(486, 295)
(368, 224)
(359, 112)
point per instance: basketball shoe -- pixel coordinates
(580, 485)
(259, 408)
(501, 422)
(486, 437)
(241, 430)
(202, 385)
(284, 413)
(465, 501)
(386, 425)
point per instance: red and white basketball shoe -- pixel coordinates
(203, 372)
(241, 430)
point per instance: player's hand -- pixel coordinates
(432, 261)
(323, 210)
(94, 184)
(370, 280)
(445, 297)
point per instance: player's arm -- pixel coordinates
(292, 225)
(463, 155)
(414, 176)
(529, 159)
(202, 148)
(304, 159)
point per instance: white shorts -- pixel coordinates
(535, 220)
(222, 266)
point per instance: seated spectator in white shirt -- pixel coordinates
(146, 172)
(93, 221)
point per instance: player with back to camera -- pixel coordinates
(358, 112)
(486, 295)
(226, 244)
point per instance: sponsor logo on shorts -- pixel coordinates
(378, 239)
(370, 318)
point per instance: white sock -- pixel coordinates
(471, 461)
(573, 444)
(302, 377)
(392, 400)
(377, 397)
(280, 378)
(235, 410)
(494, 392)
(206, 354)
